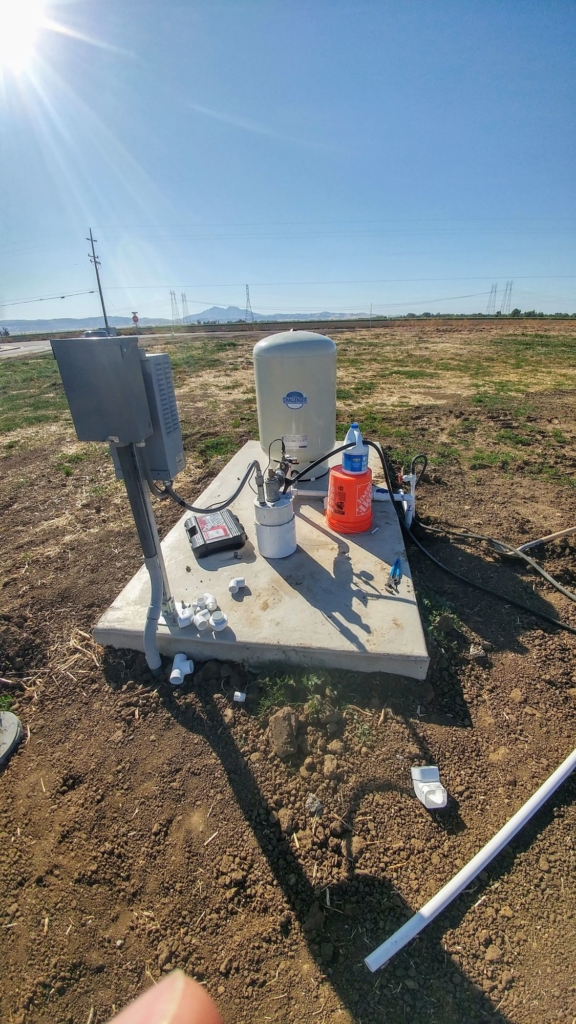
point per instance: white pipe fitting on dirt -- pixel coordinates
(181, 666)
(462, 880)
(428, 788)
(201, 620)
(218, 621)
(238, 583)
(210, 602)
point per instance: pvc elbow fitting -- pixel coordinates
(428, 788)
(210, 602)
(236, 584)
(201, 619)
(218, 621)
(181, 666)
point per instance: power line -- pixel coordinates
(45, 298)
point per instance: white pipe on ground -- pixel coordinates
(545, 540)
(437, 904)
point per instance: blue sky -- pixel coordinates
(329, 153)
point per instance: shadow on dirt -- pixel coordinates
(422, 983)
(493, 621)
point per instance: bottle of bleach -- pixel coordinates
(355, 460)
(349, 505)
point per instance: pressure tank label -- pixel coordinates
(295, 400)
(295, 440)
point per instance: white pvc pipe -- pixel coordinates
(462, 880)
(545, 540)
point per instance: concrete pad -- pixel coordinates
(323, 606)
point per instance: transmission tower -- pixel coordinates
(507, 299)
(249, 314)
(185, 311)
(175, 313)
(491, 307)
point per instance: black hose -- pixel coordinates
(424, 460)
(215, 508)
(456, 575)
(293, 479)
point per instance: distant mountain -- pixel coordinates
(72, 324)
(231, 314)
(216, 314)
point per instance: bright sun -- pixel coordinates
(20, 22)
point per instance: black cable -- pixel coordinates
(456, 575)
(281, 439)
(502, 547)
(293, 479)
(142, 457)
(215, 508)
(424, 460)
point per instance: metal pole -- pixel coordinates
(94, 259)
(143, 514)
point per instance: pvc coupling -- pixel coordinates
(428, 788)
(181, 666)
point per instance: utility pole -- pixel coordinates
(370, 316)
(249, 313)
(185, 310)
(94, 259)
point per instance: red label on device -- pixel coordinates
(213, 527)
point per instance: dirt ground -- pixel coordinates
(143, 829)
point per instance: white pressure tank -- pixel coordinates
(295, 375)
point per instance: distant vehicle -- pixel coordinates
(101, 332)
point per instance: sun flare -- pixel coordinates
(20, 23)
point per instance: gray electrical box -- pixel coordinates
(104, 385)
(164, 448)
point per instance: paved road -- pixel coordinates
(23, 348)
(31, 348)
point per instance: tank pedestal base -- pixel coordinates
(324, 606)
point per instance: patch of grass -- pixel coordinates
(483, 459)
(192, 357)
(218, 447)
(411, 374)
(446, 454)
(5, 702)
(432, 607)
(277, 692)
(30, 392)
(559, 437)
(513, 437)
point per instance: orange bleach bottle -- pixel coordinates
(349, 506)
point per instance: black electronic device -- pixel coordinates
(214, 531)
